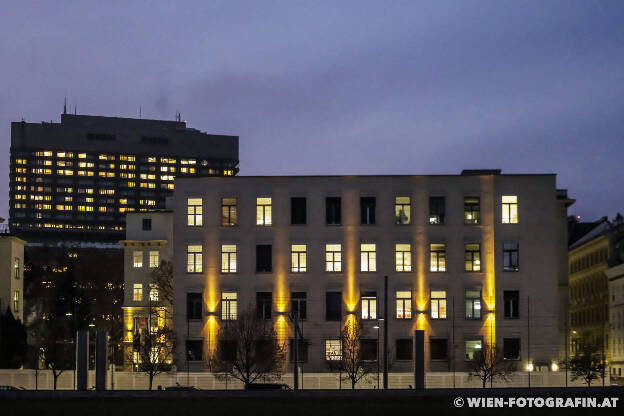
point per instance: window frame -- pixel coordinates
(474, 260)
(506, 210)
(299, 255)
(232, 211)
(437, 301)
(226, 306)
(333, 260)
(136, 264)
(295, 206)
(151, 258)
(399, 209)
(336, 200)
(368, 208)
(297, 299)
(473, 308)
(198, 259)
(437, 201)
(469, 209)
(509, 254)
(270, 259)
(227, 255)
(194, 212)
(406, 268)
(509, 311)
(137, 292)
(370, 299)
(367, 254)
(439, 254)
(402, 301)
(263, 206)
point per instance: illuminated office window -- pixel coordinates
(473, 304)
(472, 257)
(473, 347)
(298, 258)
(402, 210)
(438, 304)
(471, 210)
(403, 255)
(16, 300)
(154, 259)
(333, 257)
(333, 350)
(437, 255)
(194, 212)
(194, 259)
(228, 258)
(404, 304)
(263, 211)
(153, 292)
(369, 305)
(437, 209)
(82, 155)
(368, 258)
(229, 306)
(16, 268)
(137, 292)
(510, 209)
(228, 212)
(137, 257)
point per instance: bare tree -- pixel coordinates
(162, 278)
(350, 360)
(489, 364)
(248, 349)
(586, 365)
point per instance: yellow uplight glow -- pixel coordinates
(351, 294)
(209, 333)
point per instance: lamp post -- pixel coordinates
(377, 328)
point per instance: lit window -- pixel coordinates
(228, 211)
(473, 348)
(437, 208)
(229, 306)
(472, 257)
(510, 256)
(137, 257)
(298, 258)
(404, 304)
(369, 305)
(137, 294)
(473, 304)
(402, 210)
(82, 155)
(471, 210)
(194, 259)
(368, 258)
(16, 268)
(403, 258)
(333, 350)
(154, 259)
(333, 257)
(263, 211)
(510, 209)
(153, 293)
(437, 254)
(16, 300)
(228, 258)
(194, 212)
(438, 304)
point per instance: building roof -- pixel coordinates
(580, 233)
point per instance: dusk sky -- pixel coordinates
(348, 87)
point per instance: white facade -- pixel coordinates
(12, 275)
(616, 313)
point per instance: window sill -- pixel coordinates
(403, 271)
(511, 271)
(298, 225)
(333, 225)
(438, 271)
(194, 272)
(400, 225)
(263, 272)
(229, 225)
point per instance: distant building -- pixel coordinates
(615, 275)
(11, 273)
(76, 179)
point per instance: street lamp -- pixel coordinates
(377, 328)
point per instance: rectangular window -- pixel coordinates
(511, 348)
(264, 258)
(137, 258)
(298, 211)
(194, 263)
(154, 260)
(137, 293)
(228, 258)
(511, 302)
(194, 350)
(404, 350)
(302, 353)
(510, 209)
(146, 223)
(228, 212)
(472, 257)
(473, 304)
(367, 210)
(153, 293)
(229, 306)
(263, 211)
(16, 268)
(333, 350)
(368, 349)
(436, 210)
(16, 300)
(194, 212)
(402, 211)
(369, 305)
(471, 210)
(333, 211)
(264, 305)
(404, 304)
(437, 255)
(403, 255)
(193, 306)
(439, 348)
(298, 258)
(333, 257)
(472, 348)
(333, 306)
(510, 256)
(438, 304)
(299, 304)
(368, 258)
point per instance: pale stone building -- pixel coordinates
(11, 274)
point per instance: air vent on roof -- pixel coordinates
(154, 140)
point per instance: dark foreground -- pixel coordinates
(291, 403)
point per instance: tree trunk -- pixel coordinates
(352, 384)
(55, 376)
(151, 380)
(484, 382)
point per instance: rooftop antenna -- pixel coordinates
(140, 113)
(65, 106)
(74, 109)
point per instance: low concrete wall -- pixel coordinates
(43, 380)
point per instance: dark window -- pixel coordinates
(511, 301)
(367, 210)
(511, 348)
(439, 349)
(299, 304)
(403, 349)
(302, 356)
(227, 350)
(510, 256)
(154, 140)
(436, 209)
(471, 210)
(264, 258)
(264, 304)
(193, 306)
(368, 349)
(333, 306)
(297, 211)
(333, 211)
(147, 224)
(194, 350)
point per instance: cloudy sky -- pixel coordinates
(320, 87)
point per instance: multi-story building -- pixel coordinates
(615, 275)
(76, 179)
(11, 273)
(474, 259)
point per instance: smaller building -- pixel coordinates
(11, 273)
(615, 276)
(147, 245)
